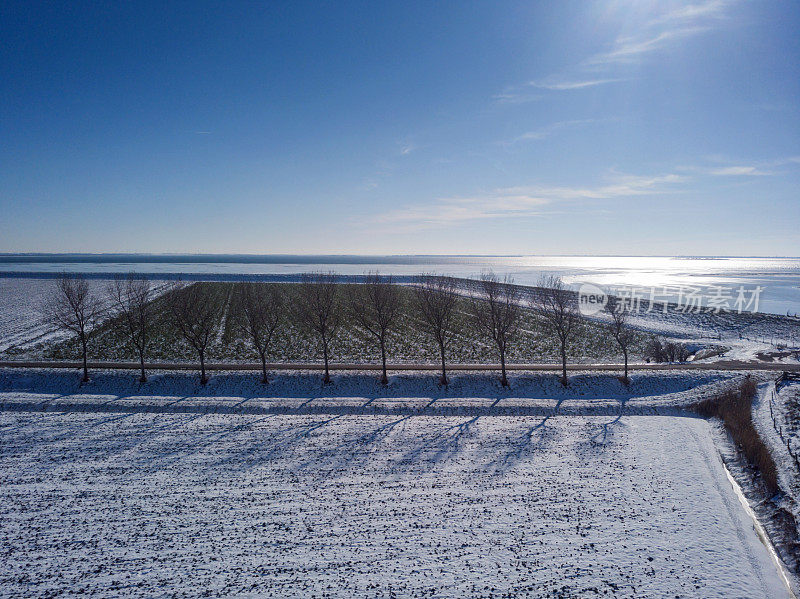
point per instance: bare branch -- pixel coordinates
(72, 307)
(497, 313)
(436, 299)
(130, 299)
(375, 306)
(195, 314)
(619, 328)
(561, 313)
(318, 310)
(260, 311)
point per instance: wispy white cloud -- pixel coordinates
(547, 131)
(691, 12)
(657, 33)
(737, 171)
(631, 48)
(369, 184)
(406, 147)
(763, 168)
(661, 32)
(519, 201)
(573, 84)
(532, 90)
(516, 96)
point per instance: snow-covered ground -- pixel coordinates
(407, 393)
(743, 337)
(320, 505)
(20, 319)
(777, 420)
(21, 301)
(782, 403)
(170, 488)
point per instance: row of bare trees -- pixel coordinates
(321, 306)
(73, 307)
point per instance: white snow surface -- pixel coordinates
(21, 301)
(454, 502)
(20, 318)
(767, 427)
(241, 392)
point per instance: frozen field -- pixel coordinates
(112, 504)
(20, 304)
(20, 321)
(746, 337)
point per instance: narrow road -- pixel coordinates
(721, 365)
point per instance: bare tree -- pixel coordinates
(436, 298)
(561, 312)
(619, 328)
(318, 310)
(261, 312)
(195, 314)
(131, 298)
(497, 313)
(375, 306)
(72, 307)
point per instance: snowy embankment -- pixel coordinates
(769, 416)
(407, 393)
(371, 506)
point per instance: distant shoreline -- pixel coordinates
(409, 259)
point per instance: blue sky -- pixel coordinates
(619, 127)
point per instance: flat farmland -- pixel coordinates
(322, 505)
(408, 343)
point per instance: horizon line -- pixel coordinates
(373, 255)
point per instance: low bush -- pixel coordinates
(660, 350)
(734, 408)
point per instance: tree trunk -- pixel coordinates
(503, 379)
(443, 380)
(264, 377)
(384, 378)
(327, 378)
(625, 354)
(85, 365)
(203, 379)
(564, 380)
(143, 378)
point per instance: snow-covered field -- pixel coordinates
(170, 488)
(167, 489)
(21, 301)
(320, 505)
(746, 337)
(20, 320)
